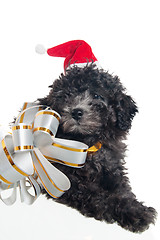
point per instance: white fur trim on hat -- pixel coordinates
(40, 49)
(81, 65)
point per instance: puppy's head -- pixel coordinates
(91, 102)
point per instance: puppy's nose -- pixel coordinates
(77, 113)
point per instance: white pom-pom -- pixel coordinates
(40, 49)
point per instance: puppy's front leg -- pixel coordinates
(122, 205)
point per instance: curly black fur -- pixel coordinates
(95, 107)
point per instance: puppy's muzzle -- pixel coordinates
(77, 113)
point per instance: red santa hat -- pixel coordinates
(76, 52)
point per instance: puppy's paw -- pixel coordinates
(134, 216)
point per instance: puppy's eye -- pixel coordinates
(96, 96)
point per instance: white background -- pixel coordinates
(124, 36)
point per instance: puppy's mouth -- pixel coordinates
(78, 121)
(70, 125)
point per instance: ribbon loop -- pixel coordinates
(45, 126)
(66, 152)
(28, 112)
(9, 171)
(54, 181)
(10, 199)
(27, 197)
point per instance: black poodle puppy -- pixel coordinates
(95, 108)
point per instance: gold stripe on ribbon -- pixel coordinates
(43, 129)
(15, 128)
(24, 127)
(43, 183)
(29, 147)
(64, 162)
(11, 161)
(5, 180)
(49, 113)
(22, 116)
(47, 176)
(40, 108)
(69, 148)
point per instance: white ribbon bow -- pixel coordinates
(26, 153)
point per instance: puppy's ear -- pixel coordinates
(125, 111)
